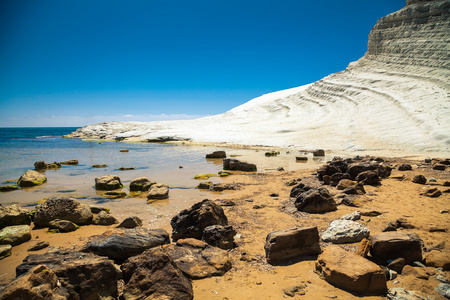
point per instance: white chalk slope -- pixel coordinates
(396, 97)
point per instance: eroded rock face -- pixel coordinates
(31, 178)
(121, 244)
(153, 274)
(191, 222)
(108, 183)
(350, 271)
(315, 201)
(292, 243)
(197, 259)
(63, 208)
(13, 215)
(391, 245)
(83, 275)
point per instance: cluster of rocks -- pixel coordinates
(144, 260)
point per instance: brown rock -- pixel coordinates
(292, 243)
(13, 215)
(418, 272)
(364, 248)
(345, 183)
(419, 179)
(393, 244)
(217, 154)
(154, 275)
(431, 192)
(350, 271)
(397, 265)
(438, 259)
(31, 178)
(108, 183)
(63, 225)
(315, 201)
(368, 178)
(37, 284)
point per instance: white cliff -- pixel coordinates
(396, 97)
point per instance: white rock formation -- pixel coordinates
(395, 97)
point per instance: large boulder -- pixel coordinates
(292, 243)
(190, 223)
(31, 178)
(158, 191)
(142, 184)
(82, 275)
(154, 275)
(345, 231)
(393, 244)
(62, 208)
(15, 235)
(108, 183)
(121, 244)
(350, 271)
(39, 283)
(13, 215)
(219, 236)
(197, 259)
(315, 201)
(234, 164)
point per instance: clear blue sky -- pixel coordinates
(71, 63)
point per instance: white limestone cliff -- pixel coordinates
(396, 97)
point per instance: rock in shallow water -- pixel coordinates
(31, 178)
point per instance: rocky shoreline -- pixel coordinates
(372, 227)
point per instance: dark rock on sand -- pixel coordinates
(197, 259)
(420, 179)
(350, 271)
(234, 164)
(158, 191)
(368, 178)
(217, 154)
(123, 243)
(299, 189)
(219, 236)
(397, 265)
(154, 275)
(63, 225)
(39, 246)
(63, 208)
(336, 178)
(142, 184)
(431, 192)
(103, 218)
(108, 183)
(13, 215)
(391, 245)
(131, 222)
(15, 235)
(439, 167)
(292, 243)
(31, 178)
(82, 275)
(205, 185)
(315, 201)
(190, 223)
(405, 167)
(319, 152)
(39, 283)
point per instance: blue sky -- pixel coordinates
(73, 63)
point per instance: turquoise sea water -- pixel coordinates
(20, 148)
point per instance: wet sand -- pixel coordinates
(251, 276)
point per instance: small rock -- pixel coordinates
(227, 203)
(301, 158)
(274, 195)
(108, 183)
(364, 248)
(39, 245)
(345, 231)
(234, 164)
(62, 208)
(142, 184)
(63, 225)
(295, 290)
(280, 169)
(158, 191)
(258, 206)
(405, 167)
(352, 216)
(124, 150)
(317, 200)
(371, 213)
(431, 192)
(5, 250)
(432, 179)
(420, 179)
(397, 265)
(103, 218)
(9, 188)
(439, 167)
(131, 222)
(100, 166)
(217, 154)
(319, 152)
(114, 195)
(31, 178)
(205, 185)
(73, 162)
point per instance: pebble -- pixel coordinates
(432, 179)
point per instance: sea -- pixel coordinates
(174, 165)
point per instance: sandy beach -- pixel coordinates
(256, 214)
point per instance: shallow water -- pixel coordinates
(158, 162)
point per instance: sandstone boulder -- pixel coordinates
(158, 191)
(190, 223)
(219, 236)
(15, 235)
(292, 243)
(345, 231)
(131, 222)
(31, 178)
(142, 184)
(120, 244)
(103, 218)
(393, 244)
(62, 208)
(234, 164)
(108, 183)
(154, 275)
(438, 259)
(13, 215)
(350, 271)
(315, 201)
(82, 275)
(217, 154)
(63, 225)
(197, 259)
(38, 283)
